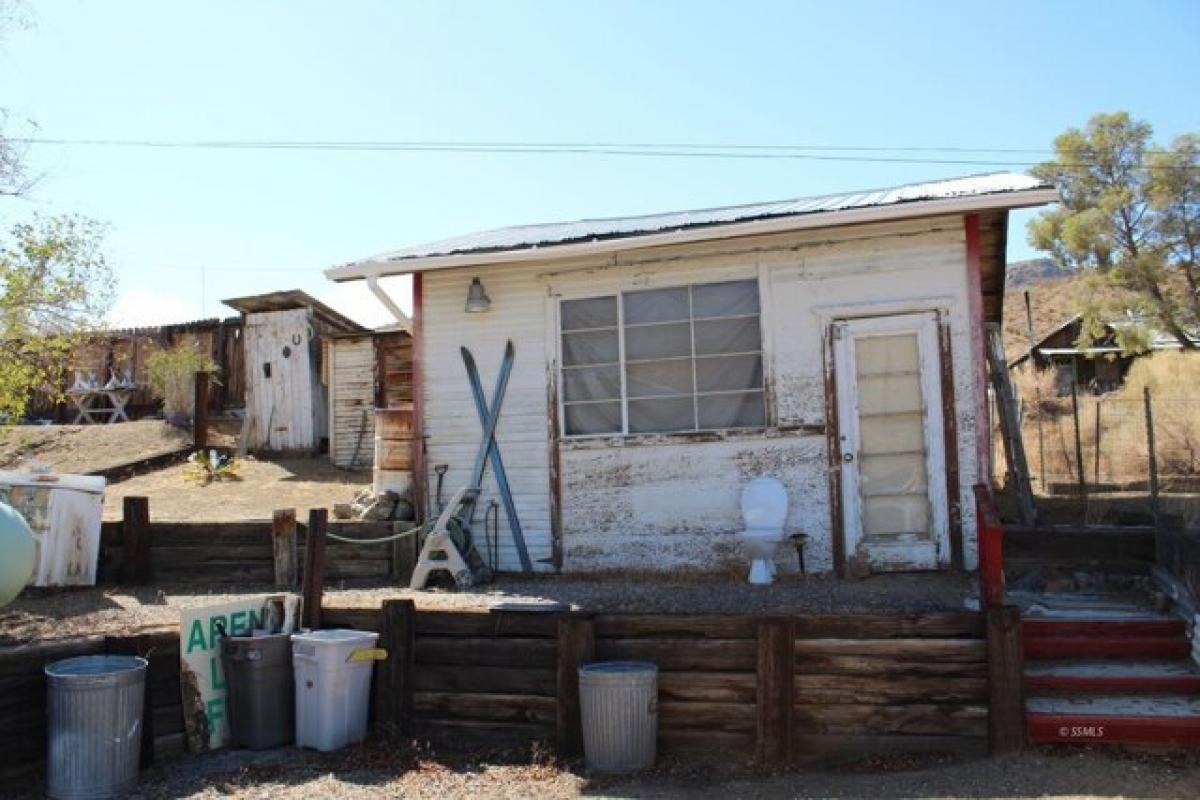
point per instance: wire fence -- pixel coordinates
(1114, 459)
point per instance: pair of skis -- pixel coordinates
(489, 449)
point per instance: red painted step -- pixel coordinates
(1060, 647)
(1114, 684)
(1102, 628)
(1100, 729)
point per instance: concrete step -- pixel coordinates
(1132, 676)
(1115, 719)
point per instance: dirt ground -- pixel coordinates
(263, 486)
(86, 448)
(405, 770)
(58, 614)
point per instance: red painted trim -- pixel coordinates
(1115, 684)
(975, 307)
(418, 381)
(1098, 729)
(991, 548)
(1041, 628)
(1105, 647)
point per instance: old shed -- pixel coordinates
(834, 343)
(366, 371)
(287, 406)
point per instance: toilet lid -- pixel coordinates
(764, 503)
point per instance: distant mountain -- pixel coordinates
(1026, 273)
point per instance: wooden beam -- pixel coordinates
(419, 490)
(773, 730)
(136, 535)
(576, 646)
(974, 267)
(283, 544)
(394, 675)
(314, 566)
(1006, 702)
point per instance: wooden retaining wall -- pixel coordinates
(239, 552)
(23, 696)
(773, 687)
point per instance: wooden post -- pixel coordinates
(1152, 467)
(1096, 465)
(200, 412)
(576, 646)
(136, 540)
(776, 679)
(283, 542)
(394, 675)
(140, 645)
(1006, 680)
(314, 566)
(1078, 443)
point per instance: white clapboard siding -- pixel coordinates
(452, 426)
(283, 404)
(352, 402)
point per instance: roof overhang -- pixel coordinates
(374, 269)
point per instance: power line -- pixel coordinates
(837, 153)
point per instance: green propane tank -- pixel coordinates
(17, 553)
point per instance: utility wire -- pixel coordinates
(681, 150)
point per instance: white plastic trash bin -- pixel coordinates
(618, 704)
(332, 689)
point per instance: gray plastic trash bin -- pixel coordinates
(619, 710)
(260, 686)
(94, 722)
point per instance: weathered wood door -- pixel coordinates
(279, 380)
(894, 510)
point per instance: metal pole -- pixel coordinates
(1032, 365)
(1096, 466)
(1078, 441)
(1152, 460)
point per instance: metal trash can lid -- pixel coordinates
(104, 670)
(605, 671)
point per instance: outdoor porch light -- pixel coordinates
(477, 299)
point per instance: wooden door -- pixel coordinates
(894, 507)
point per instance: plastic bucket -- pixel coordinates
(94, 722)
(619, 710)
(332, 690)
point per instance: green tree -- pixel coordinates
(55, 290)
(1130, 217)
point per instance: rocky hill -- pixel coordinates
(1022, 274)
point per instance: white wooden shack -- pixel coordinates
(662, 361)
(287, 406)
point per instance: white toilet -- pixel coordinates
(764, 509)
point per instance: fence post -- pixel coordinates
(576, 646)
(314, 566)
(136, 540)
(394, 675)
(200, 412)
(140, 645)
(1006, 680)
(776, 681)
(1096, 466)
(1078, 443)
(1152, 464)
(283, 544)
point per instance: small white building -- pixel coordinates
(662, 361)
(287, 407)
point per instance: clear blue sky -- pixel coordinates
(969, 74)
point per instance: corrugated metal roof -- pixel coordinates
(558, 233)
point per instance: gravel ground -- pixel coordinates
(374, 771)
(57, 614)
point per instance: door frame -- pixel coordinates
(938, 419)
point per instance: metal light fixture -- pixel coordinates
(477, 299)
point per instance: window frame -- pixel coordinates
(618, 294)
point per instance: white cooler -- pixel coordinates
(333, 691)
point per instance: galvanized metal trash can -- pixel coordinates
(619, 710)
(94, 723)
(259, 690)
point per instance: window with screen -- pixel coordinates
(663, 360)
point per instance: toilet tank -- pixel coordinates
(764, 503)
